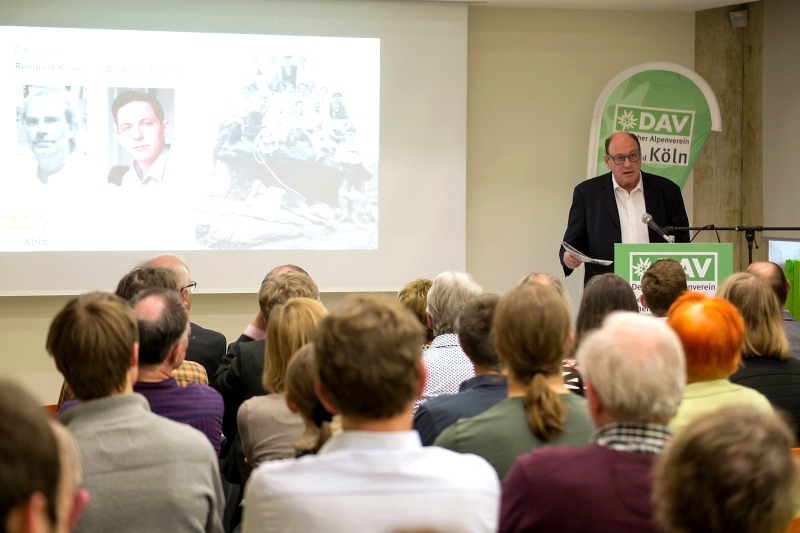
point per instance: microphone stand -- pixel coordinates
(749, 233)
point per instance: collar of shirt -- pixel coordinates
(156, 170)
(485, 380)
(634, 437)
(351, 439)
(445, 340)
(637, 188)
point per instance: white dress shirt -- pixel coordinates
(631, 208)
(376, 482)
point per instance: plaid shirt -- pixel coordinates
(632, 437)
(188, 372)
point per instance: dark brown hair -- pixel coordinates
(602, 295)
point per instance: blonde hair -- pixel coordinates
(300, 377)
(532, 332)
(291, 326)
(759, 307)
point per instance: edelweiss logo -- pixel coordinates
(626, 121)
(641, 267)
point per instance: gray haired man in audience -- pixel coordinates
(635, 374)
(144, 472)
(375, 475)
(206, 346)
(448, 366)
(776, 279)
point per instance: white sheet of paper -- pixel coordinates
(585, 258)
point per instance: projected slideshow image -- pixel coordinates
(226, 142)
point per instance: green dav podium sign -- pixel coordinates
(706, 265)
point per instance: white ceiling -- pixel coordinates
(628, 5)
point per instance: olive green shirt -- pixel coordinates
(502, 433)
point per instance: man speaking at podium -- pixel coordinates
(608, 209)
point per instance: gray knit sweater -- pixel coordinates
(143, 472)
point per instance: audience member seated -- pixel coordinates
(134, 282)
(267, 426)
(603, 294)
(766, 366)
(776, 279)
(72, 499)
(163, 337)
(144, 472)
(532, 335)
(635, 375)
(206, 347)
(477, 394)
(320, 425)
(662, 284)
(240, 375)
(257, 329)
(712, 332)
(730, 470)
(241, 372)
(572, 376)
(38, 478)
(414, 296)
(375, 475)
(448, 366)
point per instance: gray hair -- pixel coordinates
(636, 366)
(552, 282)
(447, 297)
(68, 106)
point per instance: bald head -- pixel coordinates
(283, 269)
(773, 274)
(181, 270)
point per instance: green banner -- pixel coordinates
(706, 265)
(668, 109)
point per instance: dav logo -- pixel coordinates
(23, 222)
(699, 267)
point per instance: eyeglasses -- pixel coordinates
(192, 286)
(620, 159)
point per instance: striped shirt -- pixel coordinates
(200, 406)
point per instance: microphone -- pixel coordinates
(647, 218)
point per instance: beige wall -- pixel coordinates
(781, 101)
(533, 78)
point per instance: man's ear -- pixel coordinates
(643, 301)
(423, 378)
(595, 406)
(606, 161)
(429, 320)
(135, 356)
(323, 399)
(165, 127)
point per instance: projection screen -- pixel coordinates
(334, 141)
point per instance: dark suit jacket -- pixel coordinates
(593, 226)
(238, 379)
(475, 396)
(778, 380)
(206, 347)
(792, 329)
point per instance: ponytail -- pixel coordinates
(545, 409)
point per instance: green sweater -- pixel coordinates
(501, 434)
